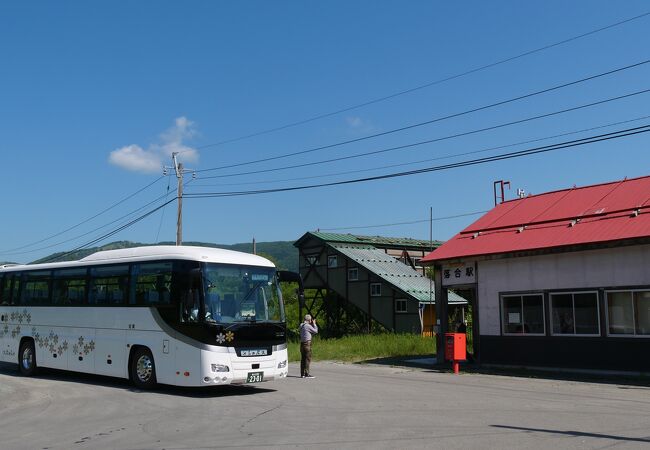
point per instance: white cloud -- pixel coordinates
(354, 122)
(359, 125)
(135, 158)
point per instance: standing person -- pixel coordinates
(307, 329)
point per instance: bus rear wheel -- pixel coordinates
(27, 358)
(143, 369)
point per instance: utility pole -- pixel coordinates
(180, 171)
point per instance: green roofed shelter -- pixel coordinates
(379, 276)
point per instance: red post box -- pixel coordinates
(455, 349)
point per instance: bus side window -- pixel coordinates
(69, 287)
(109, 285)
(4, 294)
(36, 288)
(152, 283)
(15, 289)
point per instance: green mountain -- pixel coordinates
(282, 253)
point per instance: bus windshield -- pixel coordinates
(241, 294)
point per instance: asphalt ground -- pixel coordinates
(348, 406)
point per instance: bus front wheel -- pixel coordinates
(27, 358)
(143, 369)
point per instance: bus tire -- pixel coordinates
(27, 358)
(143, 368)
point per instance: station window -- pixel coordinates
(575, 313)
(375, 289)
(353, 274)
(401, 305)
(332, 261)
(628, 313)
(312, 259)
(522, 314)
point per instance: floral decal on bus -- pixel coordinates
(221, 338)
(51, 342)
(82, 347)
(21, 317)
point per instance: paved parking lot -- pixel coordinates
(346, 406)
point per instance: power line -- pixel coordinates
(431, 121)
(435, 219)
(454, 155)
(503, 156)
(82, 222)
(100, 227)
(89, 232)
(429, 141)
(109, 234)
(423, 86)
(162, 216)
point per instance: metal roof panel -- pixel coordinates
(372, 240)
(394, 272)
(592, 214)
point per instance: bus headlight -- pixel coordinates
(282, 364)
(220, 368)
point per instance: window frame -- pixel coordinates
(375, 294)
(353, 270)
(626, 336)
(401, 301)
(331, 258)
(572, 293)
(502, 296)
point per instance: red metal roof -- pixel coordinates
(585, 215)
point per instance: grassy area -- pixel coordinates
(365, 347)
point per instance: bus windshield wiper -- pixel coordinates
(251, 292)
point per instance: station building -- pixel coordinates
(560, 279)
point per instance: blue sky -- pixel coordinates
(95, 97)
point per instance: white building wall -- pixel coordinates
(622, 266)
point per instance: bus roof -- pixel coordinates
(156, 252)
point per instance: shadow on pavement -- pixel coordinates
(575, 433)
(11, 370)
(626, 381)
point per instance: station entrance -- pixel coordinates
(464, 319)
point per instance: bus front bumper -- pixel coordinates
(219, 369)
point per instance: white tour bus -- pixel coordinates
(185, 316)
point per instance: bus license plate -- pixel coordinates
(254, 377)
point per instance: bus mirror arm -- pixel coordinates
(286, 276)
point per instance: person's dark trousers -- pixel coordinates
(305, 360)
